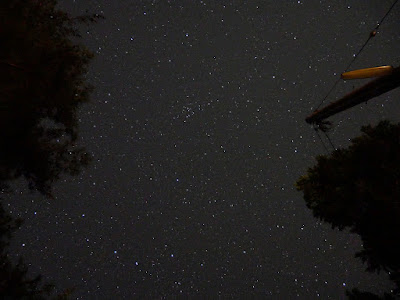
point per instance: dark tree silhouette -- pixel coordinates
(14, 282)
(42, 84)
(359, 188)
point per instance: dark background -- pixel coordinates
(197, 130)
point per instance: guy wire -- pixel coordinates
(371, 35)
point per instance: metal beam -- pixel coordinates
(368, 91)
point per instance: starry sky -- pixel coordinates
(197, 130)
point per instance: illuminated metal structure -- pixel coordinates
(389, 79)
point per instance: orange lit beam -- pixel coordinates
(368, 91)
(368, 72)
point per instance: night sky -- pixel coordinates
(197, 130)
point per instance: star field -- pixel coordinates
(197, 130)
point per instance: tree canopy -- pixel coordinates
(14, 282)
(359, 188)
(42, 83)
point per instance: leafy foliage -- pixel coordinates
(42, 84)
(14, 282)
(359, 188)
